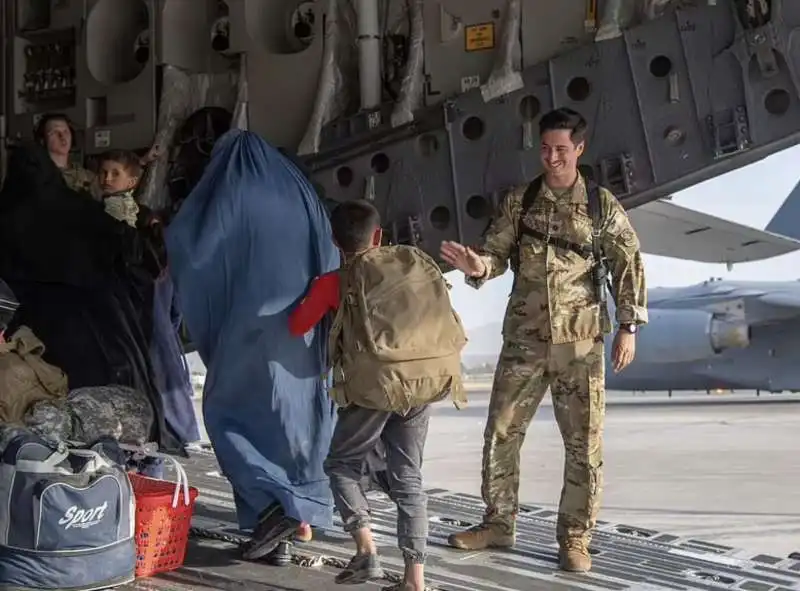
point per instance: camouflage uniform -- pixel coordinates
(553, 337)
(82, 180)
(89, 414)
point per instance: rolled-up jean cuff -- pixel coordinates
(356, 522)
(411, 553)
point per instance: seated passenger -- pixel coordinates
(242, 249)
(56, 133)
(382, 400)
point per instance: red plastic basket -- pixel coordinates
(162, 531)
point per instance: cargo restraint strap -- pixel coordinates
(297, 559)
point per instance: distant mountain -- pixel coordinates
(484, 344)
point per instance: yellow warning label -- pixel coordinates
(479, 37)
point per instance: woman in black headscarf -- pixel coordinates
(71, 267)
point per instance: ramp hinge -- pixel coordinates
(407, 231)
(617, 174)
(730, 131)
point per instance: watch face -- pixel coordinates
(632, 328)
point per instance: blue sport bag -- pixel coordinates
(67, 517)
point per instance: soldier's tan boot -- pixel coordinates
(574, 557)
(481, 537)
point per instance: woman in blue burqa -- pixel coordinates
(243, 247)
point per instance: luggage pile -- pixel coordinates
(75, 511)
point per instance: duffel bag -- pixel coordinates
(66, 517)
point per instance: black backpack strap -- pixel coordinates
(528, 199)
(594, 207)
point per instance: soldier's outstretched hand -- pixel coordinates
(462, 258)
(624, 350)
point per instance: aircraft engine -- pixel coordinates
(679, 336)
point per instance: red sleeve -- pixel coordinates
(322, 297)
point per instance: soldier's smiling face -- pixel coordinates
(560, 153)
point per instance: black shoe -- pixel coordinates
(362, 568)
(281, 556)
(273, 528)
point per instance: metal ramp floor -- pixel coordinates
(625, 557)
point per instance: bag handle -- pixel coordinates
(50, 465)
(47, 466)
(95, 463)
(149, 450)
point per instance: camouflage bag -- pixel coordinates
(396, 341)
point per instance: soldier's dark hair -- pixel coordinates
(129, 160)
(40, 129)
(564, 118)
(353, 224)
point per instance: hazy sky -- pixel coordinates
(749, 195)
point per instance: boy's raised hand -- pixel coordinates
(462, 258)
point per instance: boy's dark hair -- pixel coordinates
(353, 224)
(564, 118)
(40, 129)
(129, 160)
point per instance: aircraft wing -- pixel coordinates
(669, 230)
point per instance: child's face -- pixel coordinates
(115, 178)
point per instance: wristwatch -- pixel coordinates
(631, 328)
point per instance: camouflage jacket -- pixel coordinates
(553, 298)
(80, 179)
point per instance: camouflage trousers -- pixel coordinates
(575, 374)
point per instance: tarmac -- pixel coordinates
(700, 493)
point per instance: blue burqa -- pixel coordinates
(242, 250)
(170, 370)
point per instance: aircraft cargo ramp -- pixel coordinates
(625, 557)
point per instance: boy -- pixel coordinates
(119, 175)
(356, 226)
(383, 387)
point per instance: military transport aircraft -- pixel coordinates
(721, 334)
(718, 335)
(429, 108)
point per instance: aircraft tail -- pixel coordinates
(786, 221)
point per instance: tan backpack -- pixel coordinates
(396, 341)
(26, 378)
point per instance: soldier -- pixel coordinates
(560, 234)
(56, 133)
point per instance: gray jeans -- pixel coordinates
(358, 431)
